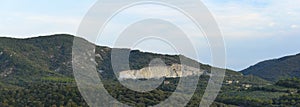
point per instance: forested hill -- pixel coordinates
(38, 72)
(276, 69)
(45, 57)
(33, 59)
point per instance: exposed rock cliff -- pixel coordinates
(176, 70)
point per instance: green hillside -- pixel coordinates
(38, 72)
(276, 69)
(35, 59)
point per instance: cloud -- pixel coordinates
(253, 18)
(30, 18)
(294, 26)
(66, 21)
(23, 25)
(256, 30)
(272, 24)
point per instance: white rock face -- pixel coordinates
(6, 72)
(176, 70)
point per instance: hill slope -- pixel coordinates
(38, 72)
(28, 60)
(276, 69)
(35, 59)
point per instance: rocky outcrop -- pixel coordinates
(176, 70)
(6, 72)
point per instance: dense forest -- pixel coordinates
(285, 67)
(56, 94)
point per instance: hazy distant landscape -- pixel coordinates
(38, 72)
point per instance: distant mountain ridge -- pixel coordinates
(276, 69)
(49, 58)
(38, 72)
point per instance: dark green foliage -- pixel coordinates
(289, 100)
(282, 68)
(42, 95)
(291, 83)
(30, 59)
(293, 98)
(269, 95)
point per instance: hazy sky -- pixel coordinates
(253, 30)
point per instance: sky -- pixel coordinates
(253, 30)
